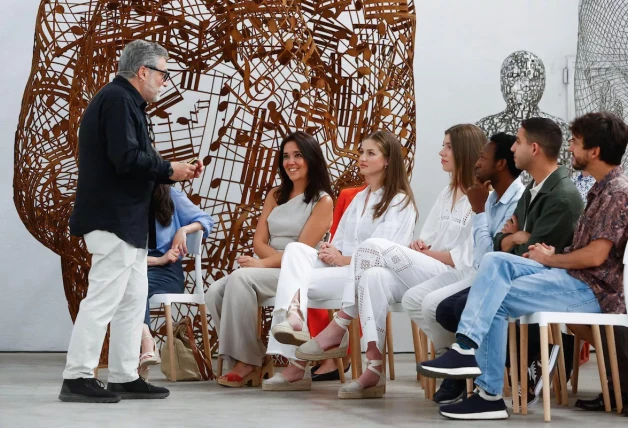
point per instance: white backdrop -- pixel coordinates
(460, 47)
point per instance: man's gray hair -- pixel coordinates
(139, 53)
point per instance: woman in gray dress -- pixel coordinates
(299, 210)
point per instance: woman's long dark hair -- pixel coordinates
(395, 176)
(317, 175)
(162, 204)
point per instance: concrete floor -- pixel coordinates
(30, 383)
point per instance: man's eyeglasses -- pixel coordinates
(166, 74)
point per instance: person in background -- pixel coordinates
(118, 168)
(175, 217)
(583, 181)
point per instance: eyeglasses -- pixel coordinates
(166, 74)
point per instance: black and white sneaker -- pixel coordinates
(456, 363)
(86, 390)
(532, 397)
(535, 370)
(139, 389)
(451, 391)
(477, 407)
(535, 376)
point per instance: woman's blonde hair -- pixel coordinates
(395, 177)
(467, 142)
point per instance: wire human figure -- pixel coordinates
(522, 86)
(601, 78)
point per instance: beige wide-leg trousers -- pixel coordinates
(233, 303)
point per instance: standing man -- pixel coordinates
(118, 168)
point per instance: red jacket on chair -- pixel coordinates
(317, 319)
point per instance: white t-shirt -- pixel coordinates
(451, 230)
(396, 224)
(535, 190)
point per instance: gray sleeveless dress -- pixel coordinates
(233, 300)
(286, 221)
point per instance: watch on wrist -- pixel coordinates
(170, 170)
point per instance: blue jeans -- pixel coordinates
(508, 285)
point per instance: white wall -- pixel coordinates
(460, 47)
(33, 310)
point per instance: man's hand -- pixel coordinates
(512, 225)
(520, 237)
(419, 245)
(182, 171)
(478, 194)
(249, 262)
(171, 256)
(199, 168)
(540, 253)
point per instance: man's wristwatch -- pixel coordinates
(170, 170)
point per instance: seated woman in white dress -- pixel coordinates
(382, 270)
(300, 209)
(385, 209)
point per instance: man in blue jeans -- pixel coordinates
(587, 278)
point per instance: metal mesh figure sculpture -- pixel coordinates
(601, 80)
(522, 85)
(244, 74)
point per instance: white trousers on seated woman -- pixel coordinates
(421, 303)
(383, 272)
(303, 272)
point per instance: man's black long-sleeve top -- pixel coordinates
(118, 166)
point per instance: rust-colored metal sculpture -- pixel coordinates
(245, 73)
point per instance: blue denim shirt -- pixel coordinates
(492, 220)
(185, 213)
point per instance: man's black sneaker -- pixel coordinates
(137, 390)
(456, 363)
(451, 391)
(86, 390)
(476, 408)
(597, 404)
